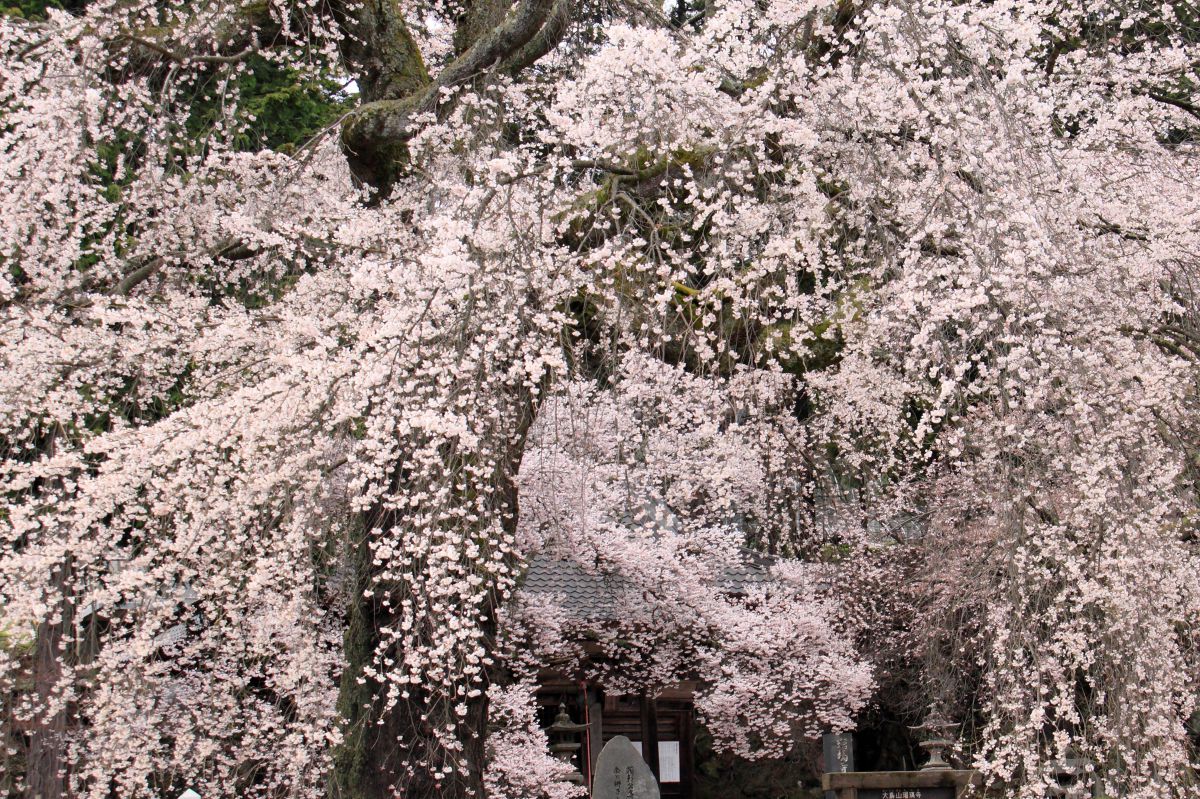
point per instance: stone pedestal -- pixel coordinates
(930, 784)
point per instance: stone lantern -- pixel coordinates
(564, 743)
(938, 733)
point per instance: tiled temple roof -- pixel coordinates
(593, 595)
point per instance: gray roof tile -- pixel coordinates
(593, 595)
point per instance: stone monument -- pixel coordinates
(621, 773)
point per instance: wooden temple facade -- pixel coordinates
(662, 728)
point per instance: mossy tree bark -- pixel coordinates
(396, 86)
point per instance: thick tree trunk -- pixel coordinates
(390, 750)
(46, 775)
(379, 741)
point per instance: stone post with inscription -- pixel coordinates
(621, 773)
(837, 752)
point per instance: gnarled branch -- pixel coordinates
(376, 134)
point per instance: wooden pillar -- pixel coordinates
(595, 730)
(687, 753)
(649, 713)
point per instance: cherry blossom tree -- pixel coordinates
(902, 293)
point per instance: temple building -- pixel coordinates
(662, 727)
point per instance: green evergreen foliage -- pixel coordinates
(36, 9)
(281, 108)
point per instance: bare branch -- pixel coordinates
(189, 58)
(139, 275)
(1173, 101)
(229, 250)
